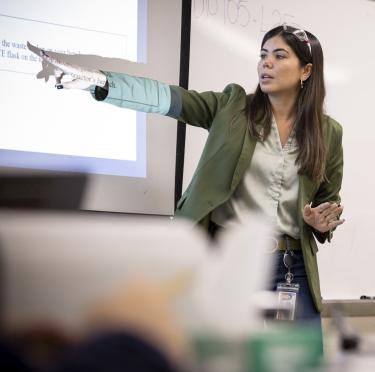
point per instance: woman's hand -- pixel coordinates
(324, 217)
(80, 78)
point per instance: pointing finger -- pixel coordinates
(69, 69)
(41, 53)
(46, 57)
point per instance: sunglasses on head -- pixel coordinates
(300, 34)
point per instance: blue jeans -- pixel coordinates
(306, 313)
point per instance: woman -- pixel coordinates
(273, 151)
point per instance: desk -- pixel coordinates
(359, 315)
(350, 308)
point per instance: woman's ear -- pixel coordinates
(306, 71)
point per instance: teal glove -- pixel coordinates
(135, 93)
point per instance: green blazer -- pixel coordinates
(227, 155)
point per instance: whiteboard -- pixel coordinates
(225, 44)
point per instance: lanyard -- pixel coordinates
(288, 261)
(287, 292)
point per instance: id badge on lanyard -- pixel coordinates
(287, 291)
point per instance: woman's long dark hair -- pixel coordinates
(309, 120)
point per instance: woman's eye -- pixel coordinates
(262, 56)
(280, 56)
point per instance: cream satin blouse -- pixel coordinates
(269, 187)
